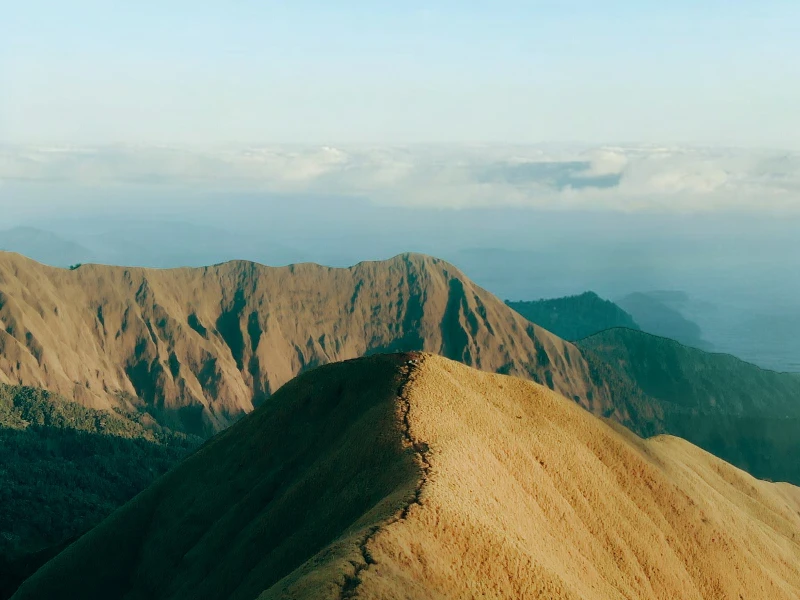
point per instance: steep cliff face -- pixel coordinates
(198, 348)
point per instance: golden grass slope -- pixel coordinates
(198, 348)
(529, 496)
(380, 479)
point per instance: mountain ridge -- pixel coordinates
(658, 312)
(414, 476)
(200, 347)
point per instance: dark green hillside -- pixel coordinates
(766, 447)
(574, 317)
(63, 468)
(746, 415)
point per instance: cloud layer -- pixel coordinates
(608, 177)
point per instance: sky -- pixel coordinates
(311, 72)
(546, 147)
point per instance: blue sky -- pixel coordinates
(708, 71)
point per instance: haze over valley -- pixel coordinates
(738, 271)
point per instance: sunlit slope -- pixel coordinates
(529, 496)
(413, 476)
(198, 348)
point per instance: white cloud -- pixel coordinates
(609, 177)
(607, 161)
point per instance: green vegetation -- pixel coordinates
(575, 317)
(746, 415)
(63, 468)
(75, 266)
(765, 447)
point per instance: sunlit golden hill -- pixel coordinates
(412, 476)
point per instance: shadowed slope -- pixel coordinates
(198, 348)
(394, 478)
(64, 468)
(323, 463)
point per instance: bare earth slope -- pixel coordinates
(415, 477)
(198, 348)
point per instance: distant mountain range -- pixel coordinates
(196, 349)
(43, 246)
(199, 348)
(768, 338)
(575, 317)
(659, 313)
(766, 334)
(159, 244)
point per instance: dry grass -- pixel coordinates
(457, 484)
(531, 497)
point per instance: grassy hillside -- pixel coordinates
(414, 476)
(64, 468)
(736, 410)
(322, 463)
(574, 317)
